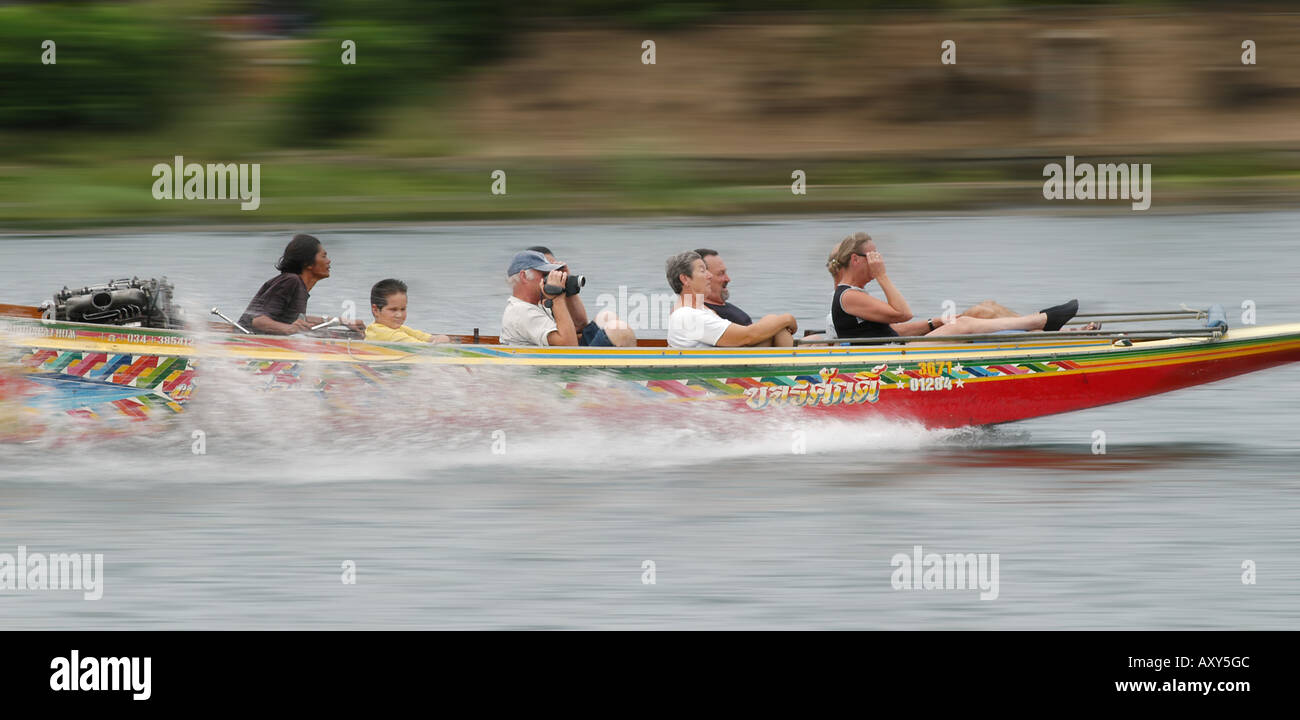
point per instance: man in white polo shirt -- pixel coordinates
(539, 312)
(692, 325)
(532, 316)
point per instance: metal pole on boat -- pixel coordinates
(1018, 337)
(232, 322)
(1185, 312)
(1129, 318)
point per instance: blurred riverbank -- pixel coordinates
(317, 192)
(863, 103)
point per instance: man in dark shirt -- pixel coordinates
(716, 300)
(280, 305)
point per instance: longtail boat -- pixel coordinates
(109, 372)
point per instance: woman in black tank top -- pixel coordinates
(848, 325)
(856, 314)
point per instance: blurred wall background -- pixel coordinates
(559, 96)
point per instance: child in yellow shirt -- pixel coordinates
(388, 303)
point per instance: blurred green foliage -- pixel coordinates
(334, 99)
(118, 66)
(402, 46)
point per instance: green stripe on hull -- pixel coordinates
(721, 386)
(62, 362)
(156, 376)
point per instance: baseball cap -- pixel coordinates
(530, 260)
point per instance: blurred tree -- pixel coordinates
(402, 47)
(118, 65)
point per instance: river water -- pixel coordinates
(743, 532)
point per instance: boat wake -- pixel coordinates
(492, 420)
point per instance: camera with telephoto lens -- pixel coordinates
(572, 287)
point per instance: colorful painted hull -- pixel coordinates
(101, 372)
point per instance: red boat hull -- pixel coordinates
(988, 401)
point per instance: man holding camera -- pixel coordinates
(544, 308)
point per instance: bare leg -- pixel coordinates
(822, 340)
(621, 337)
(971, 326)
(783, 339)
(989, 310)
(615, 329)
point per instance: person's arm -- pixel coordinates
(265, 325)
(378, 332)
(915, 327)
(424, 337)
(577, 311)
(565, 333)
(893, 297)
(275, 298)
(743, 335)
(413, 334)
(862, 305)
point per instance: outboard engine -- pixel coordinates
(136, 302)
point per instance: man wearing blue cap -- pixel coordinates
(539, 312)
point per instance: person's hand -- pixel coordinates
(358, 326)
(438, 339)
(558, 278)
(300, 325)
(791, 324)
(876, 264)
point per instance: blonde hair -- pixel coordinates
(840, 257)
